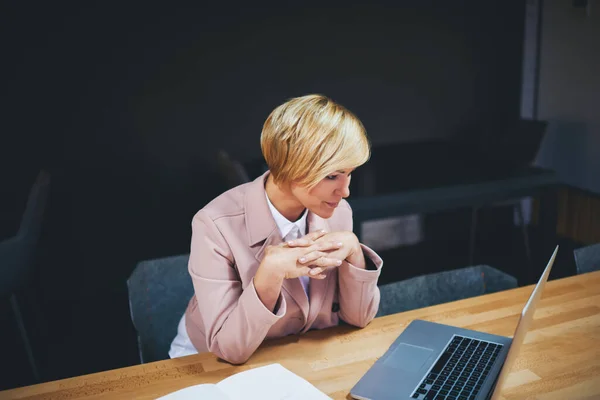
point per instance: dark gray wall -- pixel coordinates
(169, 84)
(127, 103)
(412, 72)
(569, 92)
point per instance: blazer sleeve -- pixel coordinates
(235, 320)
(358, 291)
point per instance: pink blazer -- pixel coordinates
(229, 237)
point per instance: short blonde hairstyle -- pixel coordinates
(309, 137)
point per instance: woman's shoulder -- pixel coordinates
(227, 204)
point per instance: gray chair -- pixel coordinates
(587, 259)
(442, 287)
(159, 291)
(17, 256)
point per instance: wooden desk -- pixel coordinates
(559, 360)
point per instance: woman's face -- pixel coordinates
(324, 198)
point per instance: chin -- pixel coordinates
(324, 213)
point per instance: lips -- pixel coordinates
(332, 205)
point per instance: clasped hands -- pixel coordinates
(312, 254)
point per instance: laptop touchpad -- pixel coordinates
(407, 357)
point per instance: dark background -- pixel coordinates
(126, 106)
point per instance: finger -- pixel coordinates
(312, 256)
(314, 273)
(317, 234)
(317, 273)
(327, 262)
(306, 240)
(304, 271)
(326, 246)
(301, 242)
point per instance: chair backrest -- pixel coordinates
(18, 252)
(587, 259)
(159, 292)
(36, 204)
(442, 287)
(231, 170)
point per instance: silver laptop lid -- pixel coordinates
(522, 327)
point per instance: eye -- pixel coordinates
(331, 177)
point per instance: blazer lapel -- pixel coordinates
(296, 290)
(262, 231)
(259, 221)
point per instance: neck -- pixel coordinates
(283, 200)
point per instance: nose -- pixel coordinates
(344, 189)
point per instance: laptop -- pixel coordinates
(431, 361)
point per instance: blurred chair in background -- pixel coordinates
(159, 292)
(442, 287)
(17, 257)
(587, 259)
(232, 171)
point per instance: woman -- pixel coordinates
(277, 256)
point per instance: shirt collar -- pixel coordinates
(284, 225)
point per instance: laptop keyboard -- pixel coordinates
(460, 371)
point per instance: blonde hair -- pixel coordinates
(309, 137)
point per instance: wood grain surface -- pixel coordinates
(560, 358)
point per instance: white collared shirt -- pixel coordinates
(290, 230)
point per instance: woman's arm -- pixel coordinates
(359, 294)
(235, 319)
(268, 287)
